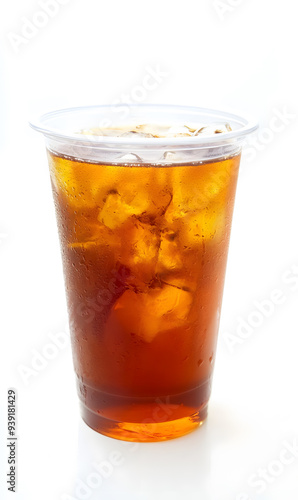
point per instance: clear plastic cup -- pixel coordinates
(144, 220)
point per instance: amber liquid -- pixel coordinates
(144, 252)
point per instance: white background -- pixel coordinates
(229, 54)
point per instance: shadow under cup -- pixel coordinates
(144, 225)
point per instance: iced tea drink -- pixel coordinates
(144, 247)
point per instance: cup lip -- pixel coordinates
(247, 126)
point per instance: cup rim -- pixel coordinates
(44, 124)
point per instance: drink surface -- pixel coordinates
(144, 253)
(152, 130)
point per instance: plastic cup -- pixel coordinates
(144, 225)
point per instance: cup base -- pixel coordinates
(143, 431)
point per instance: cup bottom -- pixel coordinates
(144, 431)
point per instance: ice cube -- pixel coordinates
(179, 262)
(179, 131)
(130, 158)
(173, 156)
(206, 225)
(136, 134)
(172, 264)
(139, 251)
(169, 256)
(169, 155)
(117, 209)
(214, 128)
(156, 130)
(94, 131)
(150, 314)
(138, 193)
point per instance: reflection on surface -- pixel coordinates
(212, 463)
(147, 470)
(110, 469)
